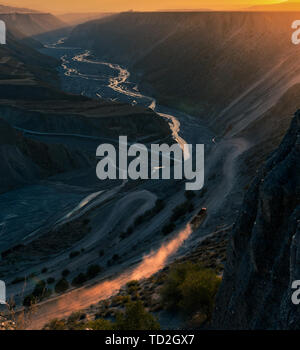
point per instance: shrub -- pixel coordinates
(75, 317)
(79, 280)
(198, 292)
(56, 325)
(39, 293)
(180, 210)
(136, 318)
(121, 299)
(100, 325)
(62, 286)
(115, 257)
(126, 234)
(191, 289)
(93, 271)
(29, 300)
(39, 289)
(65, 273)
(50, 280)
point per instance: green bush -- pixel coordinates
(56, 325)
(100, 325)
(136, 318)
(75, 317)
(61, 286)
(190, 288)
(198, 292)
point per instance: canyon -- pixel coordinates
(230, 81)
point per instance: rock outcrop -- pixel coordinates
(263, 257)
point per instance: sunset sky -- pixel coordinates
(139, 5)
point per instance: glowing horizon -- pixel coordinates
(68, 6)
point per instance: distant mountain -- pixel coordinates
(31, 24)
(184, 10)
(187, 59)
(284, 6)
(10, 9)
(77, 18)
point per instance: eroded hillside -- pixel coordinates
(263, 254)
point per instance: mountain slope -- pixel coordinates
(263, 254)
(31, 24)
(11, 9)
(282, 6)
(78, 18)
(31, 99)
(187, 60)
(24, 161)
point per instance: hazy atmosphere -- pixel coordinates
(139, 5)
(149, 166)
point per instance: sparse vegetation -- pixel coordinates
(148, 215)
(79, 280)
(132, 286)
(181, 210)
(29, 300)
(136, 318)
(114, 259)
(191, 289)
(65, 273)
(39, 293)
(50, 280)
(62, 286)
(93, 271)
(56, 325)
